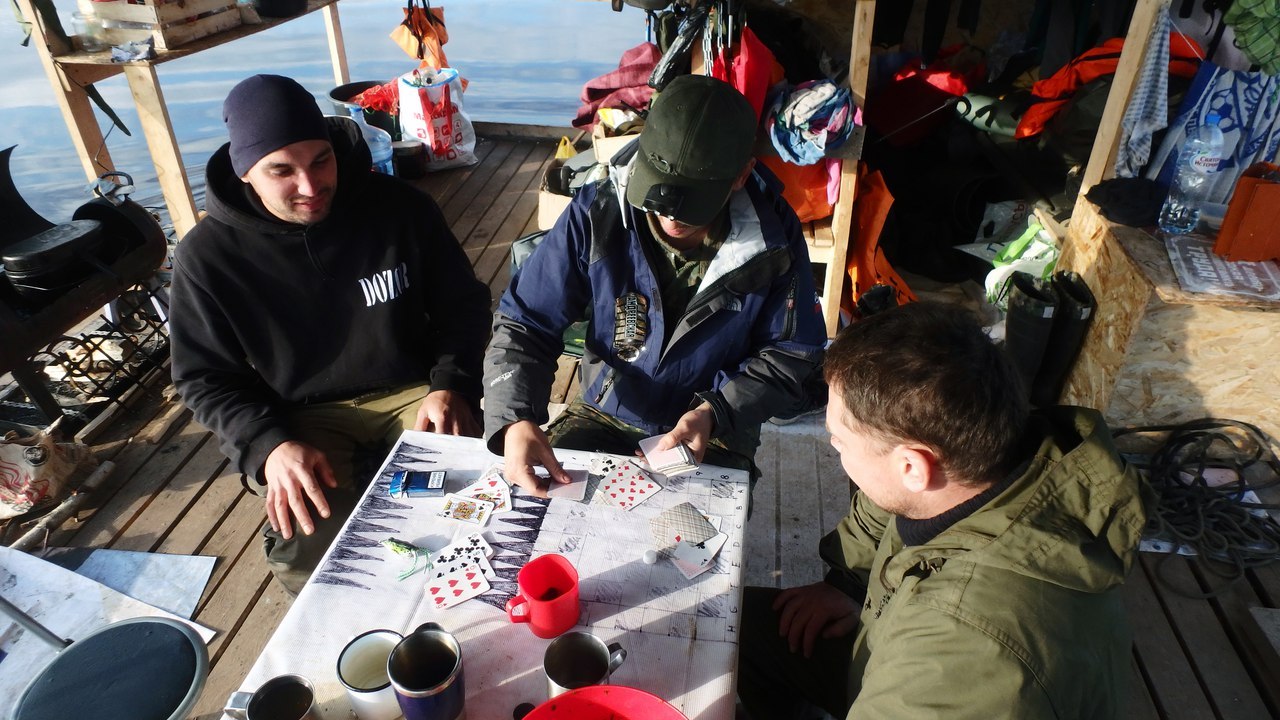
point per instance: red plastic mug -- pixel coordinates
(548, 596)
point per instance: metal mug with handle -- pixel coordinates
(425, 668)
(578, 659)
(283, 697)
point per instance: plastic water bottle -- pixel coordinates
(378, 140)
(1197, 162)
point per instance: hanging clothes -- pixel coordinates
(752, 69)
(1050, 95)
(1257, 26)
(812, 120)
(628, 86)
(1248, 105)
(1148, 111)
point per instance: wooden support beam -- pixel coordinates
(864, 13)
(1102, 159)
(163, 144)
(337, 48)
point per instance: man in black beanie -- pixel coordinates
(318, 310)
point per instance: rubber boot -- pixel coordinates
(1028, 324)
(1076, 308)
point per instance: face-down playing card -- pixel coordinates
(682, 523)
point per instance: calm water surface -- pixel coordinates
(526, 60)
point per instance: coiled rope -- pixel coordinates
(1201, 474)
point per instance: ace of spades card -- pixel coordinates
(627, 485)
(693, 559)
(449, 590)
(491, 488)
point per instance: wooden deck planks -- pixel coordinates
(1173, 681)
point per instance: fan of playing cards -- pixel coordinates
(459, 571)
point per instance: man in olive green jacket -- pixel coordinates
(986, 545)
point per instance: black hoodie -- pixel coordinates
(267, 315)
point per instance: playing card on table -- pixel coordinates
(445, 592)
(472, 510)
(602, 464)
(682, 523)
(576, 489)
(470, 540)
(693, 559)
(493, 489)
(671, 462)
(628, 485)
(452, 560)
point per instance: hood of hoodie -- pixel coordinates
(227, 201)
(1073, 518)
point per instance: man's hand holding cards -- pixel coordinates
(671, 462)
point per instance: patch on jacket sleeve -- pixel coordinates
(630, 325)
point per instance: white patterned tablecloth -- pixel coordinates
(680, 635)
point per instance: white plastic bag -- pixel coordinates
(431, 111)
(1034, 252)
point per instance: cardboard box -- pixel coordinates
(606, 147)
(1248, 230)
(550, 204)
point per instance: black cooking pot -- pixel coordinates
(55, 260)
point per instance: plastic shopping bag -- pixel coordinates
(431, 111)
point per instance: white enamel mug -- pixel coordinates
(362, 670)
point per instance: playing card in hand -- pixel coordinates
(492, 489)
(693, 559)
(457, 507)
(682, 523)
(576, 489)
(628, 485)
(449, 590)
(671, 462)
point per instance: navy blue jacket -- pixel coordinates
(749, 340)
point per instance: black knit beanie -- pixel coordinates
(265, 113)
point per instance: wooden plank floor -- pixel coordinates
(170, 492)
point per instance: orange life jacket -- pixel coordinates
(1050, 95)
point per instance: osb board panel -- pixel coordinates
(1122, 293)
(1149, 255)
(1194, 361)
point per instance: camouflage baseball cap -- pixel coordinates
(699, 135)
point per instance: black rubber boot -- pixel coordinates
(1076, 308)
(1028, 324)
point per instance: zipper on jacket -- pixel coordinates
(606, 387)
(789, 325)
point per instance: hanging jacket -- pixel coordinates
(267, 315)
(1050, 95)
(1015, 610)
(749, 339)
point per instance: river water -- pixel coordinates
(526, 61)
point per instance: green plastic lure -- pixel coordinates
(411, 551)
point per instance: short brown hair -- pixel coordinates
(927, 373)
